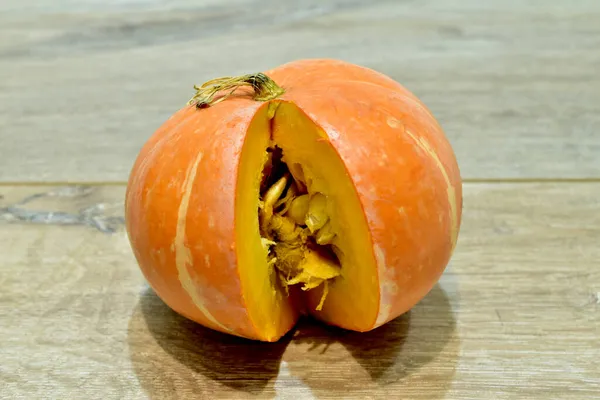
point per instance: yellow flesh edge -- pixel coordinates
(353, 298)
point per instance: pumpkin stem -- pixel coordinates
(264, 88)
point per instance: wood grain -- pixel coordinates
(516, 315)
(515, 84)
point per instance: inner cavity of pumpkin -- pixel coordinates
(283, 142)
(295, 228)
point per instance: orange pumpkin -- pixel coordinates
(319, 187)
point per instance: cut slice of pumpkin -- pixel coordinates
(327, 253)
(352, 300)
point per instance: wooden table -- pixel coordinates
(516, 86)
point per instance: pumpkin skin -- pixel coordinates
(191, 179)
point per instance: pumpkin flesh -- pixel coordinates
(352, 300)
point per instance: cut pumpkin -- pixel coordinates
(337, 196)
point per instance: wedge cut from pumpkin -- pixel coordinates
(338, 278)
(319, 187)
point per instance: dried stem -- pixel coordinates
(264, 89)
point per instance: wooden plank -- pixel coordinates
(515, 316)
(514, 83)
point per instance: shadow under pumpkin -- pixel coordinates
(174, 356)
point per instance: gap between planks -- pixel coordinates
(465, 180)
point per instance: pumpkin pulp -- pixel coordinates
(310, 231)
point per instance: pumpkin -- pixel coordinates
(319, 187)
